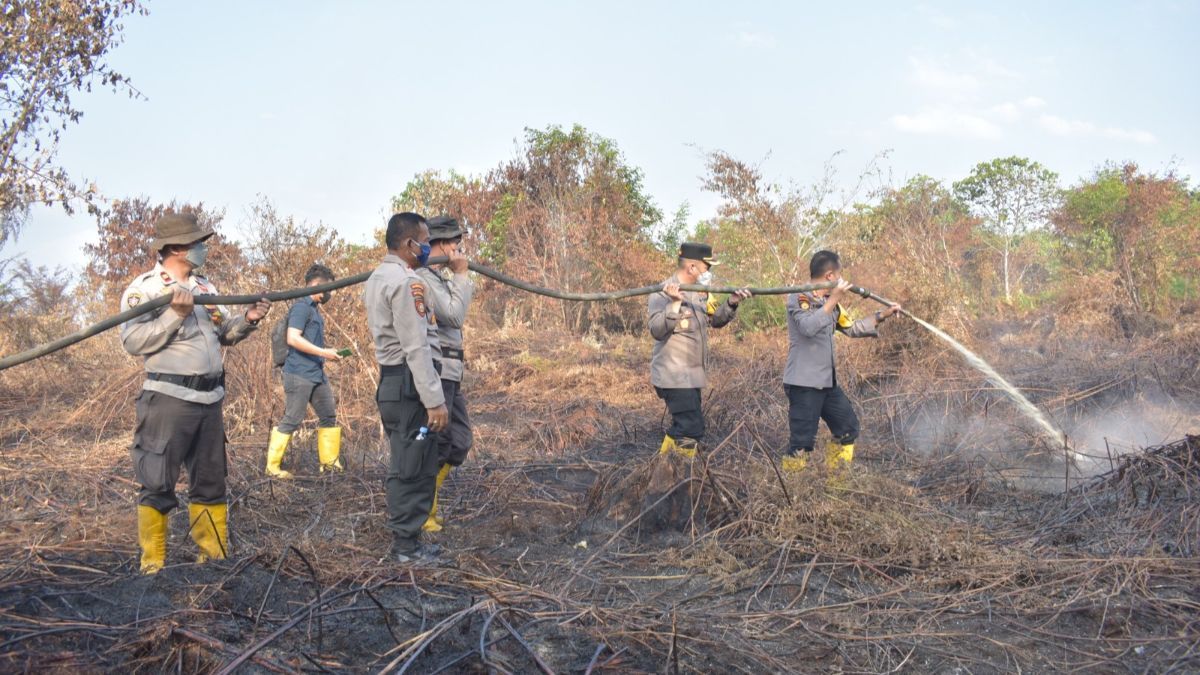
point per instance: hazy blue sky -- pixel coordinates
(329, 108)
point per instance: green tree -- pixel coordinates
(50, 50)
(1010, 195)
(1144, 226)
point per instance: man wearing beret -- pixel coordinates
(448, 294)
(179, 415)
(679, 321)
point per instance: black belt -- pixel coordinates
(402, 369)
(194, 382)
(452, 353)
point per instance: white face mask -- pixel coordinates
(705, 278)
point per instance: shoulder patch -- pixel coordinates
(133, 299)
(418, 294)
(802, 299)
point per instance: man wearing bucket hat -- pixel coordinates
(179, 418)
(679, 323)
(448, 293)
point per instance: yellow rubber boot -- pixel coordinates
(152, 537)
(668, 445)
(794, 463)
(433, 523)
(838, 456)
(686, 447)
(209, 530)
(275, 449)
(329, 448)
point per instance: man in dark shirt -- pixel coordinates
(304, 380)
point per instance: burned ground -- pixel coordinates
(935, 554)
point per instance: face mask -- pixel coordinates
(326, 297)
(705, 278)
(423, 256)
(197, 254)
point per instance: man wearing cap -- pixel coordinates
(448, 293)
(810, 379)
(679, 323)
(411, 403)
(179, 418)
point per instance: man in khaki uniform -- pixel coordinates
(448, 294)
(679, 323)
(810, 379)
(411, 403)
(179, 417)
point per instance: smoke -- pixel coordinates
(1128, 426)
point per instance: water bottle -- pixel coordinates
(422, 433)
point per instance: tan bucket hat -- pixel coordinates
(178, 228)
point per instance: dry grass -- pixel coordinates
(920, 561)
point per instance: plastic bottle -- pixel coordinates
(421, 434)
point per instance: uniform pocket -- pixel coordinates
(150, 462)
(419, 459)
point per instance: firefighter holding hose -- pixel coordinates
(179, 412)
(810, 378)
(679, 322)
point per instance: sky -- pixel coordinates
(329, 108)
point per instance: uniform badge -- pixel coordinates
(418, 293)
(166, 278)
(134, 299)
(804, 305)
(214, 314)
(683, 323)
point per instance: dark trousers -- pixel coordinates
(456, 442)
(684, 405)
(173, 433)
(300, 394)
(412, 463)
(807, 406)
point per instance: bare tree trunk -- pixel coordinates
(1007, 289)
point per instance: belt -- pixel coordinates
(194, 382)
(453, 353)
(402, 369)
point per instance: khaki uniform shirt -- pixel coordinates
(179, 345)
(448, 295)
(399, 320)
(810, 339)
(680, 356)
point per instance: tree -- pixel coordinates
(568, 212)
(50, 50)
(1144, 226)
(1011, 195)
(123, 246)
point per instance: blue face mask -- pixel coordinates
(423, 256)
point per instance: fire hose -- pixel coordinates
(293, 293)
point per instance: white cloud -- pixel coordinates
(947, 122)
(1013, 111)
(1065, 127)
(754, 39)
